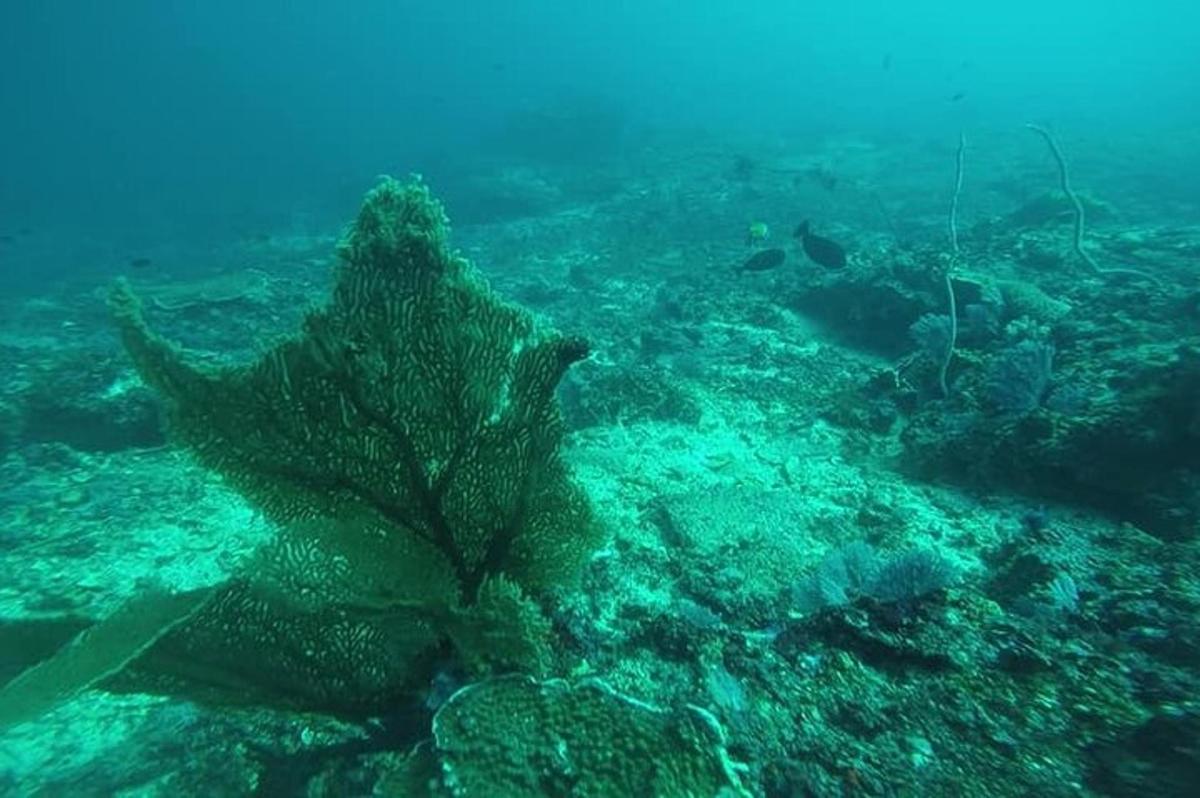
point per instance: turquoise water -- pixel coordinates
(719, 401)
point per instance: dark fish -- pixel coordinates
(820, 250)
(958, 96)
(140, 263)
(7, 240)
(763, 261)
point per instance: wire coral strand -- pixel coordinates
(958, 181)
(1064, 180)
(953, 225)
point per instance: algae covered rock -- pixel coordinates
(1117, 429)
(514, 736)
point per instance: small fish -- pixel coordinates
(6, 240)
(763, 260)
(140, 263)
(820, 250)
(958, 96)
(887, 61)
(757, 233)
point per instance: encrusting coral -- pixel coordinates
(515, 736)
(406, 442)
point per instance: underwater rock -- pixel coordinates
(1121, 434)
(512, 192)
(598, 396)
(1159, 757)
(1053, 207)
(872, 304)
(89, 402)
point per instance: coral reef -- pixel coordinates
(825, 578)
